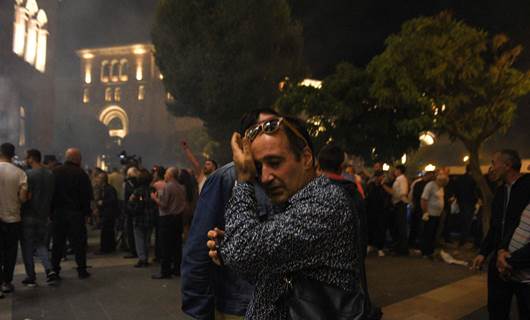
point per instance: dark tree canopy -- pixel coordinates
(344, 112)
(222, 58)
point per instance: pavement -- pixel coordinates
(406, 288)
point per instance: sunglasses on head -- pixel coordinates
(270, 127)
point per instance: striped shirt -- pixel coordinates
(520, 238)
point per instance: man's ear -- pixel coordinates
(307, 158)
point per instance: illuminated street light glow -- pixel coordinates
(404, 158)
(427, 138)
(386, 167)
(317, 84)
(430, 168)
(466, 158)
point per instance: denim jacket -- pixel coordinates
(205, 286)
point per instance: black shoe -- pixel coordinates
(7, 287)
(30, 283)
(52, 278)
(130, 256)
(83, 274)
(141, 264)
(160, 276)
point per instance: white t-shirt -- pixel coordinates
(434, 195)
(12, 179)
(400, 189)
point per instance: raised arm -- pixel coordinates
(191, 158)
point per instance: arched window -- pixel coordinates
(141, 92)
(105, 71)
(30, 34)
(108, 94)
(117, 94)
(114, 70)
(86, 95)
(124, 70)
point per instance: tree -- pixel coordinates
(344, 112)
(455, 79)
(222, 58)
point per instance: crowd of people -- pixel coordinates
(246, 237)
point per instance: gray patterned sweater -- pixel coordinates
(312, 236)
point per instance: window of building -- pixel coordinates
(124, 70)
(108, 94)
(22, 127)
(139, 68)
(86, 95)
(105, 71)
(114, 70)
(30, 34)
(117, 94)
(141, 92)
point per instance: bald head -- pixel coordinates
(172, 173)
(73, 155)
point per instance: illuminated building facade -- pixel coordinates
(27, 44)
(122, 87)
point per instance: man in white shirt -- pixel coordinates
(13, 186)
(432, 204)
(399, 193)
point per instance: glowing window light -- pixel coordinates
(40, 63)
(404, 158)
(117, 94)
(108, 94)
(19, 30)
(141, 93)
(114, 71)
(86, 96)
(31, 45)
(430, 167)
(139, 71)
(386, 167)
(124, 70)
(105, 71)
(88, 72)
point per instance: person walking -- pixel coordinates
(108, 209)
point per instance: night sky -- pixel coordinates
(334, 31)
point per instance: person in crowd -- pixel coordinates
(508, 204)
(432, 205)
(157, 184)
(330, 160)
(116, 180)
(350, 173)
(143, 210)
(50, 162)
(171, 203)
(108, 210)
(311, 233)
(466, 197)
(399, 192)
(35, 219)
(190, 185)
(377, 207)
(131, 182)
(210, 291)
(14, 191)
(416, 190)
(71, 209)
(201, 174)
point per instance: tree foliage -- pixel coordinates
(222, 58)
(453, 78)
(344, 112)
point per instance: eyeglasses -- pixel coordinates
(271, 126)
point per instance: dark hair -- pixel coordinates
(296, 143)
(34, 154)
(158, 172)
(251, 118)
(513, 158)
(330, 158)
(213, 162)
(401, 168)
(187, 180)
(49, 158)
(7, 150)
(144, 178)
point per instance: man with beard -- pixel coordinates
(201, 174)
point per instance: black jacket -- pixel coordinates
(501, 230)
(73, 190)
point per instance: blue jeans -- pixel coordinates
(142, 235)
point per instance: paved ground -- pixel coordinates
(118, 291)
